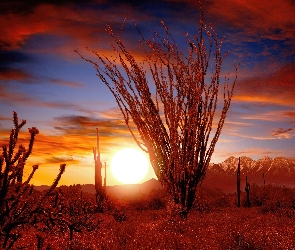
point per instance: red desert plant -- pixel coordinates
(174, 124)
(18, 203)
(69, 210)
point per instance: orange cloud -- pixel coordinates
(82, 27)
(73, 143)
(277, 89)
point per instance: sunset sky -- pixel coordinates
(50, 86)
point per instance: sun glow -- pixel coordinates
(129, 166)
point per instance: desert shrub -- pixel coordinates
(210, 198)
(69, 210)
(270, 198)
(120, 215)
(156, 204)
(110, 204)
(278, 208)
(157, 199)
(222, 201)
(240, 241)
(138, 204)
(279, 200)
(154, 200)
(202, 202)
(258, 195)
(203, 206)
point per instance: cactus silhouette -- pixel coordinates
(100, 191)
(239, 183)
(247, 189)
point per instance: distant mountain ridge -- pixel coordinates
(277, 166)
(119, 191)
(278, 171)
(127, 190)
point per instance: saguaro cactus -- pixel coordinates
(239, 183)
(105, 179)
(247, 189)
(100, 194)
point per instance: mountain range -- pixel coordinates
(278, 171)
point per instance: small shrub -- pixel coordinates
(238, 241)
(202, 206)
(157, 199)
(120, 216)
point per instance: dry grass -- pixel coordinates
(228, 228)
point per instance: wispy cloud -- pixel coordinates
(282, 133)
(66, 83)
(272, 115)
(10, 96)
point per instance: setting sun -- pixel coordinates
(129, 166)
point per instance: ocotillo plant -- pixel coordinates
(170, 109)
(239, 184)
(247, 189)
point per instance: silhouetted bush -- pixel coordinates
(110, 204)
(120, 216)
(271, 199)
(19, 204)
(157, 199)
(69, 210)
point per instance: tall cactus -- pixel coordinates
(105, 179)
(239, 183)
(100, 194)
(247, 189)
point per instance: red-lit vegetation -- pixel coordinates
(215, 222)
(174, 122)
(20, 205)
(67, 218)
